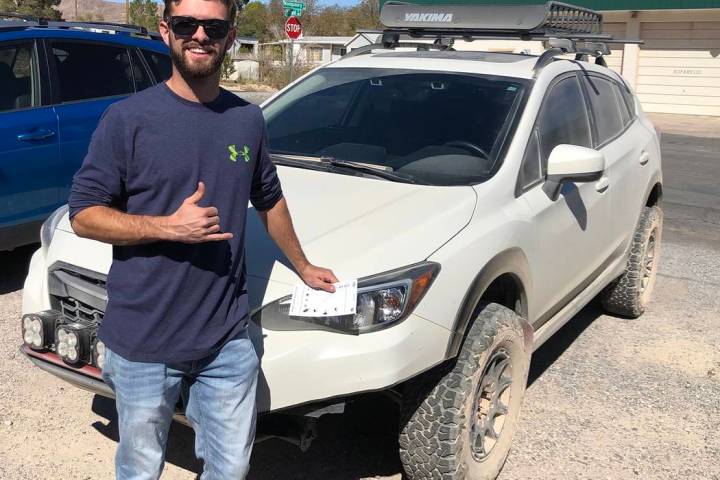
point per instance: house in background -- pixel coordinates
(362, 38)
(245, 52)
(309, 50)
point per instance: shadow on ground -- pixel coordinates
(556, 345)
(357, 444)
(14, 267)
(360, 443)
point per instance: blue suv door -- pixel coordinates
(88, 76)
(29, 156)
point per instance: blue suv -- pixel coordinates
(56, 80)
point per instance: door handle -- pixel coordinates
(644, 158)
(602, 184)
(40, 134)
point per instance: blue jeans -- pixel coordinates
(219, 394)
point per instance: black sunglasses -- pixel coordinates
(187, 26)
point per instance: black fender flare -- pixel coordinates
(511, 262)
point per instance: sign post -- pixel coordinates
(293, 29)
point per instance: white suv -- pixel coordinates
(481, 198)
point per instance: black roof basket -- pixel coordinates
(566, 28)
(490, 21)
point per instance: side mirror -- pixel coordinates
(570, 163)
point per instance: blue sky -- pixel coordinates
(342, 3)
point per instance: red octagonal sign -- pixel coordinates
(293, 28)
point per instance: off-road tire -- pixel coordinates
(439, 410)
(629, 295)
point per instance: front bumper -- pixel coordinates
(296, 367)
(308, 366)
(86, 377)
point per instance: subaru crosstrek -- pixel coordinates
(482, 199)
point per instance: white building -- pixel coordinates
(244, 53)
(309, 50)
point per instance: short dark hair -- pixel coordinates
(230, 4)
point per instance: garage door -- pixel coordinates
(679, 68)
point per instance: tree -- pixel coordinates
(36, 8)
(144, 13)
(228, 67)
(252, 22)
(365, 15)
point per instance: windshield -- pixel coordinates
(440, 128)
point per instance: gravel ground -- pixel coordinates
(608, 398)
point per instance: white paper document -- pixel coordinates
(308, 302)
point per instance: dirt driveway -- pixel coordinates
(608, 398)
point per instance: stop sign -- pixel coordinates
(293, 28)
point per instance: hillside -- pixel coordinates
(95, 10)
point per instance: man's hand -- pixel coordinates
(194, 224)
(318, 277)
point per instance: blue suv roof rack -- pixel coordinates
(14, 21)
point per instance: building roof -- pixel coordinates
(593, 4)
(247, 40)
(315, 40)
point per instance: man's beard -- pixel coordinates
(191, 70)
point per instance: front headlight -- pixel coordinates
(48, 227)
(382, 300)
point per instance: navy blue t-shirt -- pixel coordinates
(171, 301)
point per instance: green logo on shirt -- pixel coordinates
(234, 153)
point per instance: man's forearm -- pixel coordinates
(279, 225)
(118, 228)
(189, 224)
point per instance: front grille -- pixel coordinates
(79, 294)
(76, 311)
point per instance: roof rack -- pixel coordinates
(491, 21)
(566, 28)
(17, 21)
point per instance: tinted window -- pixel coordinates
(563, 119)
(605, 106)
(531, 170)
(18, 77)
(159, 64)
(624, 113)
(438, 127)
(142, 79)
(621, 93)
(91, 70)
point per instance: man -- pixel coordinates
(167, 180)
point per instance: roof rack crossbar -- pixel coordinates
(563, 46)
(27, 21)
(420, 46)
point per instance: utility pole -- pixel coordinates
(127, 12)
(76, 12)
(292, 54)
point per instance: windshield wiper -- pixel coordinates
(322, 163)
(381, 171)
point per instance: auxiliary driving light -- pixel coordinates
(38, 328)
(98, 353)
(72, 342)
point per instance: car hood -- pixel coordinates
(353, 225)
